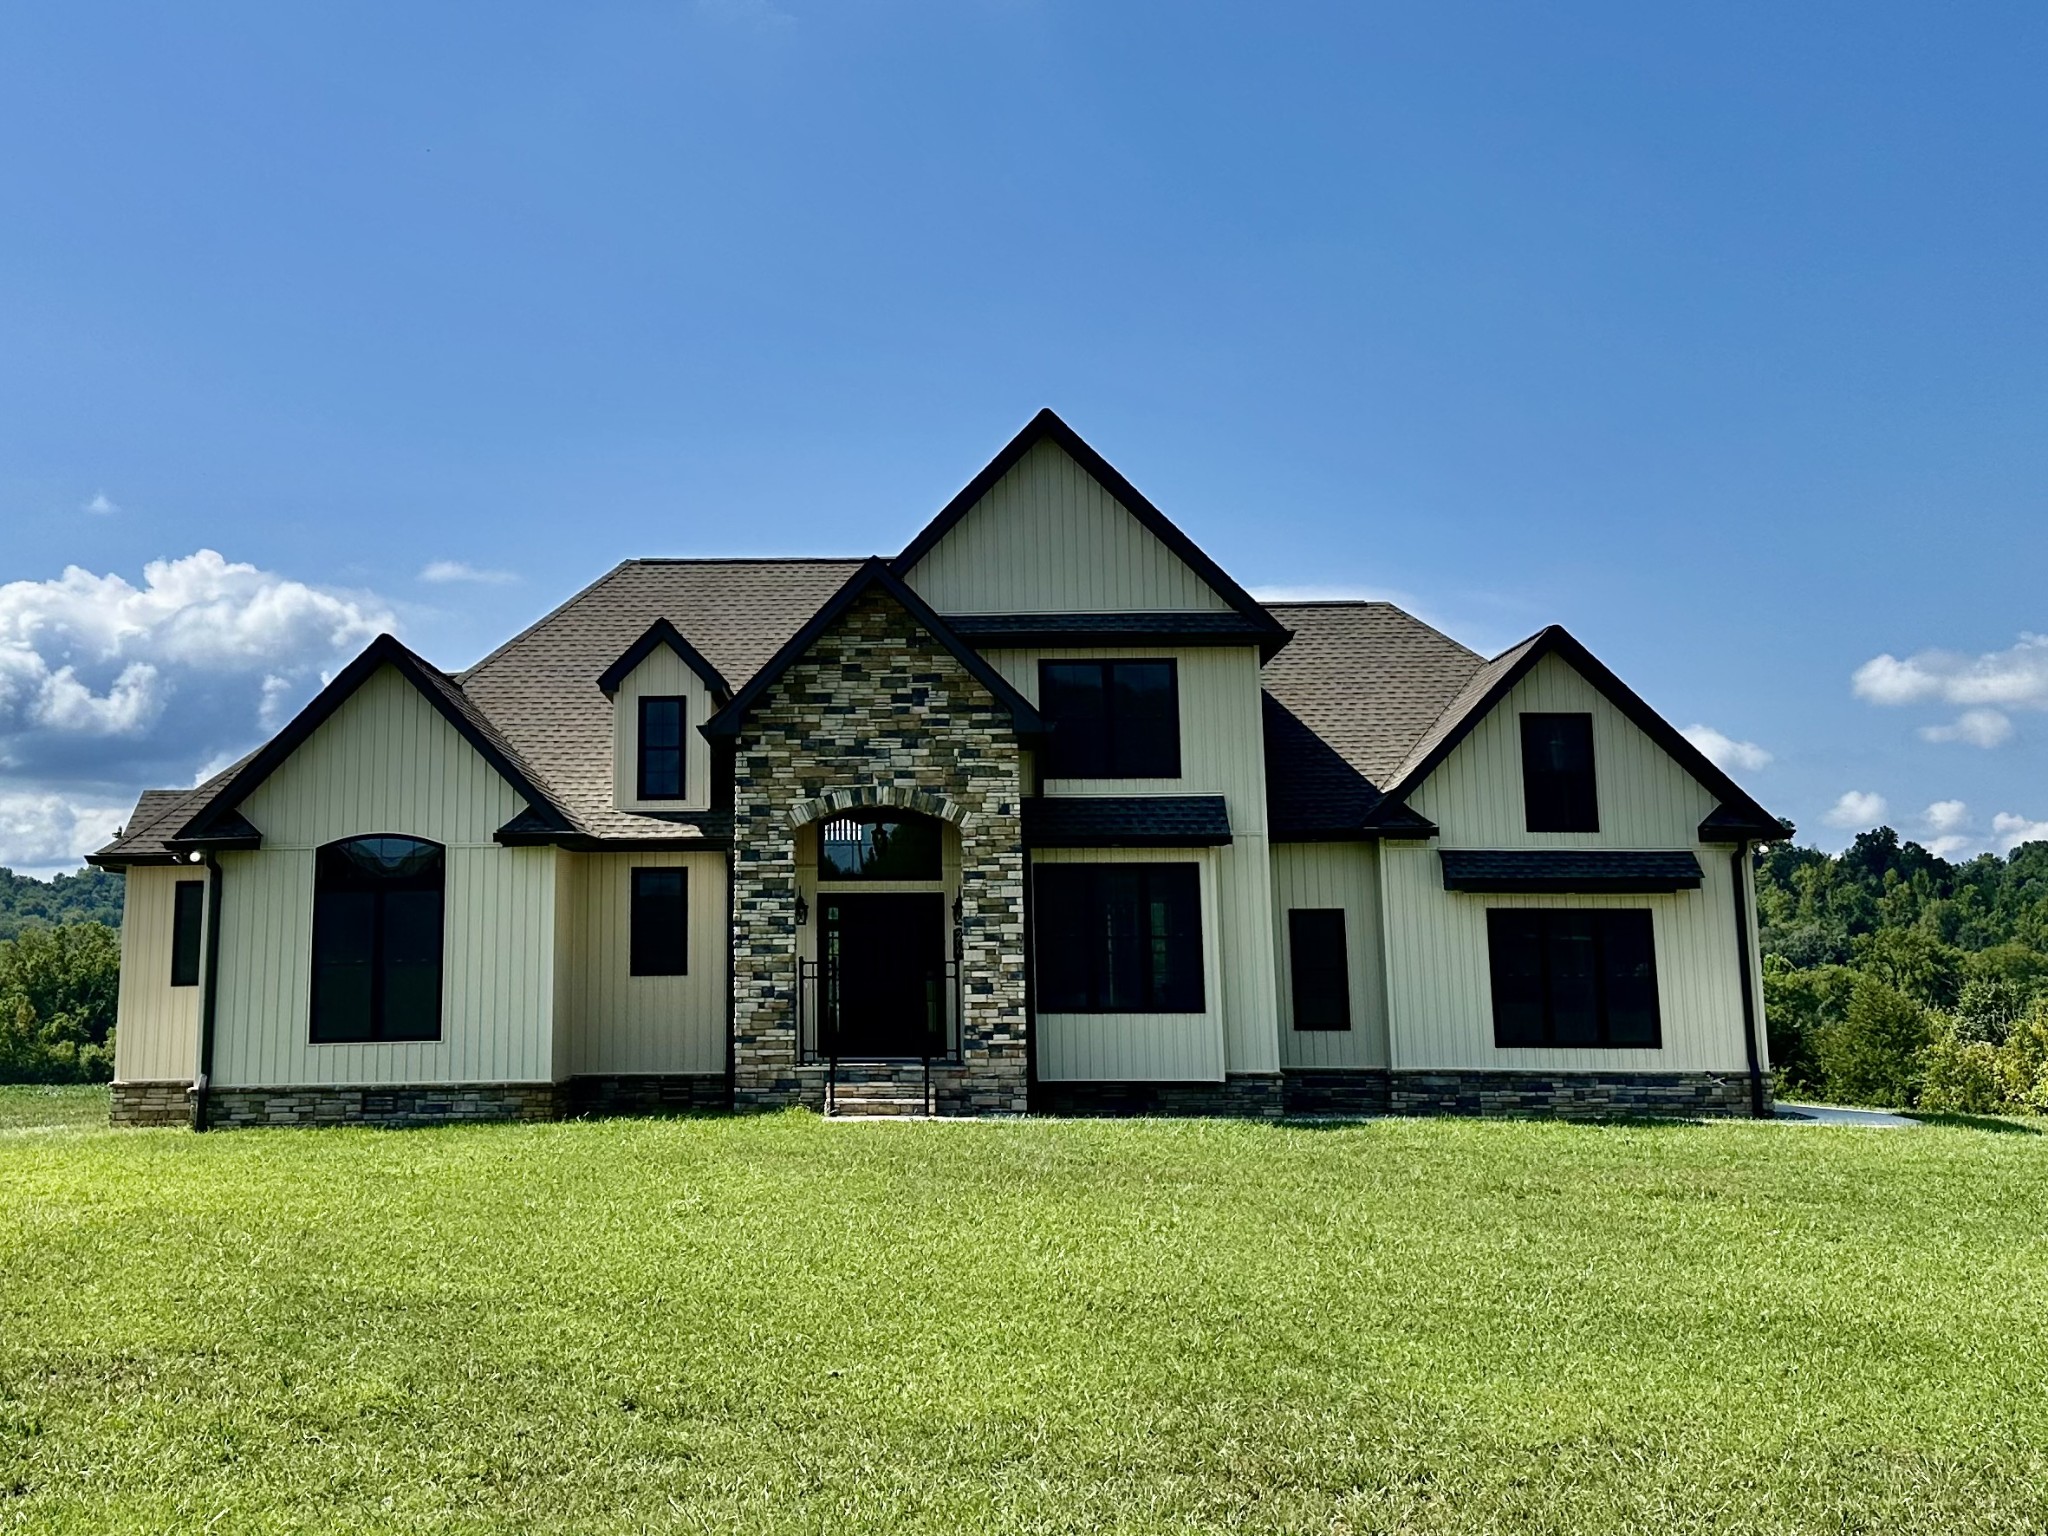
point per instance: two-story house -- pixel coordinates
(1044, 813)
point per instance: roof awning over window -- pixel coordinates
(1591, 871)
(1126, 821)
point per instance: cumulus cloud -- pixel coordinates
(42, 832)
(108, 685)
(2008, 831)
(1978, 727)
(443, 571)
(101, 504)
(1948, 821)
(2014, 678)
(1857, 810)
(1725, 751)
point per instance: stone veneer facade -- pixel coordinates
(877, 712)
(1563, 1095)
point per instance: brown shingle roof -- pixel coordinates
(540, 688)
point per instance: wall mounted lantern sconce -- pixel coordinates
(803, 911)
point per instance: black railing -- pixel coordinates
(823, 1036)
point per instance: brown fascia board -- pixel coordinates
(874, 572)
(1046, 424)
(661, 632)
(1556, 640)
(210, 824)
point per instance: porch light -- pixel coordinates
(803, 911)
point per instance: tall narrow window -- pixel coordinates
(188, 921)
(1322, 975)
(1557, 773)
(661, 748)
(1111, 719)
(377, 905)
(1119, 938)
(1573, 978)
(661, 923)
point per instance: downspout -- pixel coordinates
(1736, 869)
(210, 1006)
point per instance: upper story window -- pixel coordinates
(1111, 719)
(904, 846)
(661, 747)
(377, 940)
(1557, 773)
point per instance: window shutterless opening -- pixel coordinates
(377, 907)
(1320, 968)
(661, 748)
(1111, 719)
(660, 923)
(1118, 938)
(1559, 792)
(1563, 978)
(188, 923)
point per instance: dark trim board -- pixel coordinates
(1126, 821)
(1591, 871)
(992, 631)
(1272, 634)
(662, 633)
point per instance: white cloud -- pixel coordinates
(1946, 815)
(1978, 727)
(2015, 678)
(44, 831)
(456, 570)
(101, 504)
(2009, 831)
(1857, 810)
(108, 686)
(1725, 751)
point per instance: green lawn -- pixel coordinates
(780, 1324)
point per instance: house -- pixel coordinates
(1044, 813)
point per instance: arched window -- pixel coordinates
(879, 845)
(377, 940)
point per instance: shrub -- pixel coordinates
(1960, 1075)
(1872, 1054)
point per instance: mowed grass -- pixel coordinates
(776, 1323)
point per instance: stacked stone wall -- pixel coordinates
(878, 713)
(1244, 1096)
(147, 1104)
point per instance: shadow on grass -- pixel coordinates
(1974, 1122)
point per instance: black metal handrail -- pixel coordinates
(819, 1037)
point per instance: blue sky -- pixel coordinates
(1714, 333)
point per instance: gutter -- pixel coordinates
(1749, 1008)
(209, 1008)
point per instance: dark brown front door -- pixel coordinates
(884, 974)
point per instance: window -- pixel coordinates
(188, 908)
(1573, 978)
(1119, 938)
(1322, 978)
(661, 748)
(1111, 719)
(661, 923)
(899, 847)
(1557, 773)
(377, 940)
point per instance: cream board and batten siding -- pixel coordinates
(616, 1022)
(662, 674)
(1222, 752)
(386, 761)
(1047, 538)
(1346, 876)
(156, 1025)
(1141, 1047)
(1439, 988)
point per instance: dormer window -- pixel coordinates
(661, 747)
(1557, 773)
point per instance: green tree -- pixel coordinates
(58, 989)
(1872, 1054)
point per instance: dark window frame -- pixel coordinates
(928, 843)
(188, 929)
(1319, 971)
(1554, 799)
(644, 955)
(642, 750)
(1605, 925)
(1085, 905)
(331, 885)
(1059, 761)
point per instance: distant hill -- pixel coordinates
(90, 896)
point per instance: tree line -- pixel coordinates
(1894, 977)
